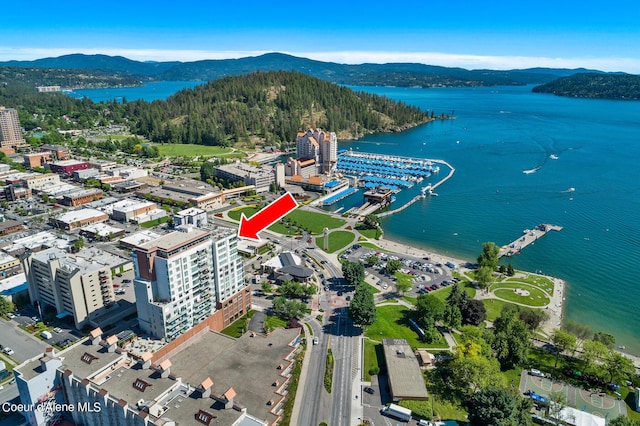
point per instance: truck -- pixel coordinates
(46, 335)
(400, 413)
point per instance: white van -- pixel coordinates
(46, 335)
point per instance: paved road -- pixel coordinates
(24, 345)
(343, 345)
(315, 405)
(9, 392)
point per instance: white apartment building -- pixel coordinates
(193, 216)
(79, 285)
(40, 181)
(184, 277)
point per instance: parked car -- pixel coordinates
(10, 315)
(315, 340)
(536, 373)
(7, 350)
(126, 281)
(369, 390)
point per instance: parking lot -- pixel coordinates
(427, 276)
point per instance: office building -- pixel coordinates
(193, 216)
(10, 130)
(185, 277)
(260, 177)
(78, 285)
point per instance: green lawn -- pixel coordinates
(494, 308)
(190, 150)
(448, 411)
(238, 327)
(316, 222)
(155, 222)
(274, 322)
(536, 297)
(542, 282)
(372, 288)
(404, 278)
(337, 240)
(393, 322)
(369, 233)
(370, 358)
(411, 299)
(374, 247)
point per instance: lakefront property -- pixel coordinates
(375, 297)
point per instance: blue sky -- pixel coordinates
(471, 34)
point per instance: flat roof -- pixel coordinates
(190, 212)
(248, 364)
(68, 163)
(405, 376)
(101, 229)
(82, 214)
(175, 239)
(140, 238)
(40, 239)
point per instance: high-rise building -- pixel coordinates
(78, 285)
(187, 276)
(320, 146)
(10, 131)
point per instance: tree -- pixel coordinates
(563, 341)
(624, 421)
(430, 309)
(266, 286)
(403, 286)
(353, 272)
(557, 402)
(371, 221)
(288, 309)
(452, 316)
(471, 373)
(470, 333)
(510, 270)
(618, 366)
(533, 317)
(606, 339)
(5, 306)
(372, 260)
(581, 331)
(473, 312)
(457, 297)
(497, 406)
(489, 256)
(393, 266)
(78, 244)
(484, 276)
(593, 351)
(510, 338)
(362, 309)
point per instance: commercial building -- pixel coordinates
(86, 174)
(10, 130)
(403, 371)
(67, 167)
(139, 238)
(101, 232)
(131, 210)
(37, 159)
(103, 165)
(196, 193)
(38, 181)
(13, 192)
(209, 380)
(185, 277)
(260, 177)
(77, 285)
(36, 242)
(7, 262)
(193, 216)
(10, 226)
(79, 198)
(47, 89)
(79, 218)
(287, 266)
(58, 152)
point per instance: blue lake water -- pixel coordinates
(148, 92)
(498, 133)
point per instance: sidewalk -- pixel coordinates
(301, 383)
(357, 410)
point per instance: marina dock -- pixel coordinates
(529, 236)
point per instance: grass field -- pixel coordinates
(274, 322)
(506, 291)
(315, 222)
(155, 222)
(337, 240)
(237, 328)
(542, 282)
(374, 247)
(372, 288)
(192, 150)
(370, 358)
(493, 307)
(393, 322)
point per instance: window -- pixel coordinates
(140, 384)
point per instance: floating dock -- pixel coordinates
(529, 236)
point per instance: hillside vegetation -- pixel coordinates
(592, 85)
(272, 107)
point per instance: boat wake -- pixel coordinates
(535, 169)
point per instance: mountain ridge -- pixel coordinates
(366, 74)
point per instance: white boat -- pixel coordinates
(553, 157)
(571, 189)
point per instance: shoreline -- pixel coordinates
(556, 306)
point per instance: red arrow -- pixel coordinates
(249, 228)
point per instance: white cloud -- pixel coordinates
(631, 65)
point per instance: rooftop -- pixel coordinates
(140, 238)
(129, 205)
(82, 214)
(405, 376)
(242, 169)
(101, 229)
(35, 241)
(68, 163)
(248, 364)
(85, 261)
(175, 239)
(190, 212)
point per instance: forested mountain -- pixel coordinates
(271, 106)
(591, 85)
(391, 74)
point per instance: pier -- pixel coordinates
(529, 236)
(399, 209)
